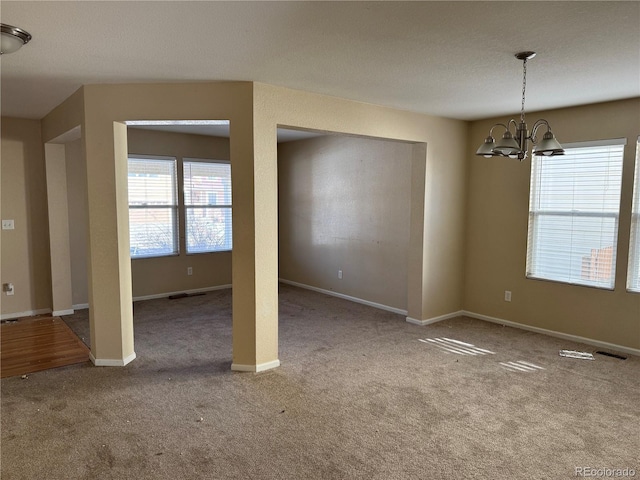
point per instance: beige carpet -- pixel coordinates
(361, 394)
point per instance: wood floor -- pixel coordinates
(35, 344)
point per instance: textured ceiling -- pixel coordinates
(452, 59)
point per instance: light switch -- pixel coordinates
(7, 225)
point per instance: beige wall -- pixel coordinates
(25, 250)
(496, 240)
(436, 246)
(65, 121)
(255, 111)
(61, 284)
(344, 204)
(467, 239)
(104, 108)
(153, 276)
(78, 221)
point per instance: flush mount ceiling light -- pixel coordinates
(12, 38)
(516, 144)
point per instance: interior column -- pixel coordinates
(110, 297)
(417, 268)
(255, 248)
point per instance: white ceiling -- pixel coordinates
(452, 59)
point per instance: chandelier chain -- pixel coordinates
(524, 87)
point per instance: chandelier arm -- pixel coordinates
(515, 126)
(537, 125)
(497, 125)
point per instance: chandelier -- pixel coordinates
(516, 144)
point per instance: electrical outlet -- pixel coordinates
(189, 271)
(507, 295)
(340, 274)
(7, 288)
(8, 225)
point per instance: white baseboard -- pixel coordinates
(255, 368)
(28, 313)
(168, 294)
(111, 362)
(440, 318)
(553, 333)
(345, 297)
(83, 306)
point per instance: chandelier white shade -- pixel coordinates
(13, 38)
(515, 144)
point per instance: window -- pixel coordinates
(153, 206)
(207, 201)
(573, 214)
(633, 277)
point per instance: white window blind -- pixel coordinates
(633, 275)
(573, 214)
(153, 206)
(207, 200)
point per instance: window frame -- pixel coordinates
(187, 207)
(174, 208)
(535, 214)
(633, 265)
